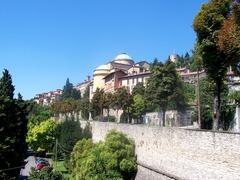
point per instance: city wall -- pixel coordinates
(175, 153)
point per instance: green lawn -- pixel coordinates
(59, 166)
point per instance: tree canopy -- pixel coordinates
(41, 137)
(112, 159)
(164, 88)
(69, 92)
(213, 25)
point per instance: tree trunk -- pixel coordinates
(217, 106)
(108, 114)
(163, 118)
(198, 100)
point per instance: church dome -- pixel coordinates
(103, 69)
(123, 58)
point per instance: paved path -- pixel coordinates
(25, 172)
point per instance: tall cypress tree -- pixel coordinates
(6, 87)
(13, 129)
(69, 92)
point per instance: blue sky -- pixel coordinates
(42, 42)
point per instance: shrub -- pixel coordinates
(112, 159)
(47, 173)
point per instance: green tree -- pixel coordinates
(69, 92)
(67, 133)
(138, 107)
(81, 151)
(207, 89)
(13, 125)
(112, 159)
(208, 24)
(85, 104)
(138, 89)
(37, 113)
(97, 103)
(41, 137)
(123, 101)
(164, 88)
(6, 87)
(189, 91)
(108, 100)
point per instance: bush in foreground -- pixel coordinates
(47, 173)
(112, 159)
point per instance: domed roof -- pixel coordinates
(123, 56)
(103, 67)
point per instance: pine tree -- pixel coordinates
(6, 87)
(69, 92)
(13, 127)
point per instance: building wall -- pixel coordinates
(180, 153)
(131, 81)
(98, 81)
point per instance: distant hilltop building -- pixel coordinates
(190, 76)
(48, 97)
(83, 85)
(122, 71)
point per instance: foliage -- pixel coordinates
(108, 100)
(206, 101)
(85, 104)
(138, 89)
(112, 159)
(13, 128)
(210, 24)
(37, 113)
(164, 88)
(101, 101)
(235, 96)
(138, 106)
(47, 173)
(123, 101)
(97, 103)
(189, 91)
(111, 119)
(65, 106)
(122, 98)
(69, 92)
(81, 151)
(41, 137)
(229, 36)
(67, 133)
(183, 61)
(227, 116)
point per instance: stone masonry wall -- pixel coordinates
(180, 153)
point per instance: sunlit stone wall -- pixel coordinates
(179, 153)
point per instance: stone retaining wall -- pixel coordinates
(179, 153)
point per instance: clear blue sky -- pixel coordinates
(42, 42)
